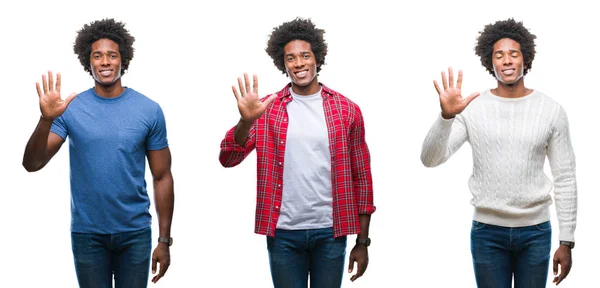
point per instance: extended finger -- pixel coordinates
(39, 91)
(471, 97)
(44, 84)
(444, 82)
(437, 87)
(459, 82)
(247, 81)
(255, 84)
(241, 85)
(451, 77)
(270, 99)
(57, 82)
(50, 81)
(70, 98)
(235, 92)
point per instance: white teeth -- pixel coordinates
(301, 74)
(105, 72)
(509, 71)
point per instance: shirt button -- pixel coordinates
(278, 185)
(281, 142)
(284, 119)
(280, 163)
(276, 207)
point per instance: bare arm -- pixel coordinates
(42, 144)
(160, 167)
(41, 147)
(164, 198)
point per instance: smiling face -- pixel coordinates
(105, 62)
(301, 67)
(507, 61)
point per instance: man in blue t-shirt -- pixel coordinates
(111, 130)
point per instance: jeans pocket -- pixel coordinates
(545, 226)
(476, 225)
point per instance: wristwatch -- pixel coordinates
(365, 241)
(168, 241)
(568, 244)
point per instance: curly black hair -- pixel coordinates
(297, 29)
(103, 29)
(505, 29)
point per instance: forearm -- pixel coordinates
(443, 139)
(365, 221)
(164, 197)
(36, 156)
(242, 130)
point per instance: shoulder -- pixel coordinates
(141, 97)
(344, 102)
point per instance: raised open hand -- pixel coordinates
(51, 105)
(451, 99)
(249, 104)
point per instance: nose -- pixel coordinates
(507, 60)
(104, 61)
(298, 62)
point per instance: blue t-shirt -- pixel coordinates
(108, 140)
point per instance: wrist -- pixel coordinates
(447, 116)
(568, 244)
(246, 122)
(364, 241)
(165, 241)
(46, 119)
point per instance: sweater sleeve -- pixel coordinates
(562, 164)
(444, 138)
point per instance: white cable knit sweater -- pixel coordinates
(510, 139)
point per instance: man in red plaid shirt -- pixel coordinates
(314, 183)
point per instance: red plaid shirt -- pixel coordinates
(351, 182)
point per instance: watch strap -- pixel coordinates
(168, 241)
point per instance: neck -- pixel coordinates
(309, 89)
(514, 90)
(109, 91)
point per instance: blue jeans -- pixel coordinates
(294, 254)
(501, 252)
(126, 255)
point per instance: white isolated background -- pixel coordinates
(383, 55)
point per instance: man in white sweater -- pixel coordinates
(511, 130)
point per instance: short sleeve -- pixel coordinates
(157, 138)
(59, 128)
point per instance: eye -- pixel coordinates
(113, 56)
(96, 56)
(306, 56)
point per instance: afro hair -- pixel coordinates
(103, 29)
(505, 29)
(297, 29)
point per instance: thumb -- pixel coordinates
(351, 263)
(154, 260)
(270, 99)
(70, 98)
(471, 97)
(555, 265)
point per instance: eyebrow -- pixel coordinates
(510, 50)
(109, 52)
(301, 53)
